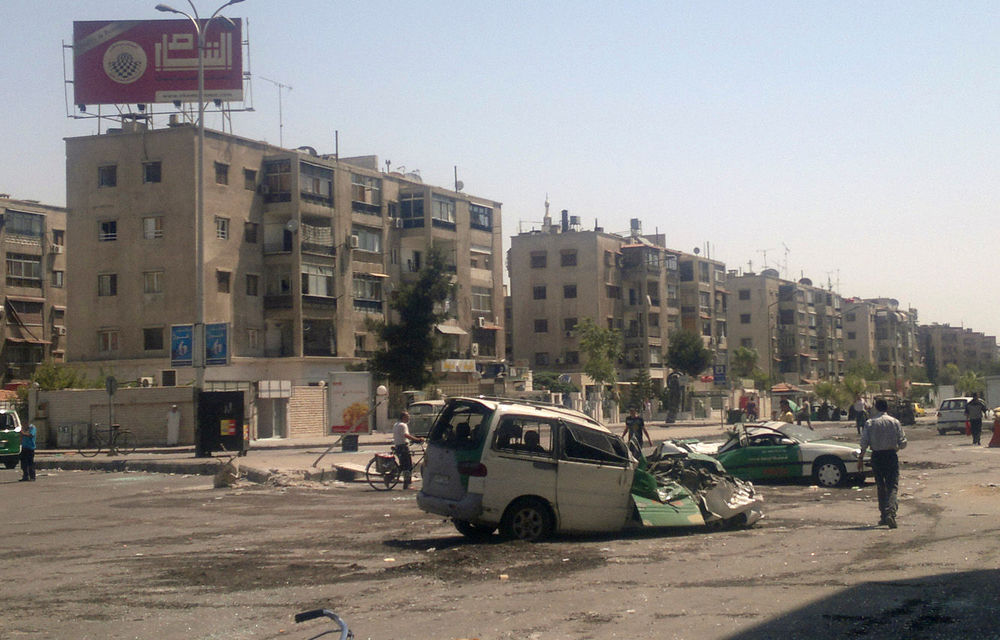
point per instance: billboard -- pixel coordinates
(145, 61)
(348, 401)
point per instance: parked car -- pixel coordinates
(10, 438)
(951, 415)
(919, 410)
(778, 450)
(422, 415)
(533, 469)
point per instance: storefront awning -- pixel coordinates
(29, 341)
(25, 299)
(451, 330)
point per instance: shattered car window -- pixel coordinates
(800, 433)
(590, 445)
(519, 434)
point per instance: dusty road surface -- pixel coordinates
(133, 555)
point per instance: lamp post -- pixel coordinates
(198, 357)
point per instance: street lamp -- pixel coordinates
(201, 29)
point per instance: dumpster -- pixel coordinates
(220, 425)
(735, 416)
(349, 442)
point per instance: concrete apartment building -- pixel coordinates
(795, 327)
(33, 236)
(300, 250)
(943, 344)
(876, 330)
(561, 274)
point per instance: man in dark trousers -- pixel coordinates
(974, 412)
(635, 428)
(28, 435)
(884, 434)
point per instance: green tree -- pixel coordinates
(602, 349)
(825, 390)
(744, 362)
(687, 353)
(549, 380)
(409, 347)
(51, 376)
(949, 374)
(641, 390)
(970, 382)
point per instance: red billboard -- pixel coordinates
(144, 61)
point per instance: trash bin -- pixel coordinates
(220, 424)
(735, 416)
(349, 442)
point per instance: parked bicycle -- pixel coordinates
(383, 471)
(114, 440)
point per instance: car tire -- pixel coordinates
(474, 531)
(10, 464)
(942, 432)
(527, 519)
(829, 472)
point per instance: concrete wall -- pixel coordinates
(307, 413)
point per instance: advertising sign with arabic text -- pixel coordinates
(146, 61)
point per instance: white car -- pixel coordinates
(951, 415)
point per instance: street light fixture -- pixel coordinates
(201, 29)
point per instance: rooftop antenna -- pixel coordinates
(787, 250)
(281, 119)
(764, 253)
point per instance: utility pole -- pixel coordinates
(281, 119)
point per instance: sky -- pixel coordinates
(847, 142)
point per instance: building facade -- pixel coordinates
(965, 348)
(33, 236)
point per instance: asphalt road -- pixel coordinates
(136, 555)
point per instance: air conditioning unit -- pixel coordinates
(354, 242)
(59, 330)
(474, 349)
(397, 222)
(146, 381)
(481, 322)
(57, 248)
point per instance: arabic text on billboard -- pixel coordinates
(144, 61)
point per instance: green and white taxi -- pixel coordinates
(10, 438)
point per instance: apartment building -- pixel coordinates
(301, 249)
(33, 236)
(965, 348)
(704, 299)
(878, 331)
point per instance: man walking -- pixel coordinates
(860, 410)
(401, 438)
(28, 452)
(635, 428)
(884, 434)
(974, 412)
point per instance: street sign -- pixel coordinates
(719, 375)
(110, 385)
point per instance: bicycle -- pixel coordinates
(345, 633)
(383, 470)
(115, 441)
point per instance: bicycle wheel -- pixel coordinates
(93, 444)
(125, 443)
(382, 475)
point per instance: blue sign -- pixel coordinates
(216, 344)
(181, 345)
(719, 374)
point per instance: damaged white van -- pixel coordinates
(534, 469)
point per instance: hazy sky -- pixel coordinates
(858, 135)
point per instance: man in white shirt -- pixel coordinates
(885, 436)
(401, 438)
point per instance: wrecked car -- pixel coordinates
(778, 450)
(534, 469)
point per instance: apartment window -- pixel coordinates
(411, 210)
(152, 282)
(849, 317)
(277, 186)
(368, 239)
(249, 179)
(107, 284)
(569, 291)
(107, 230)
(250, 232)
(221, 173)
(542, 359)
(442, 210)
(222, 279)
(744, 318)
(152, 227)
(609, 259)
(480, 217)
(541, 325)
(107, 340)
(253, 285)
(851, 335)
(654, 320)
(58, 279)
(746, 342)
(151, 171)
(706, 328)
(538, 260)
(24, 270)
(366, 194)
(316, 183)
(279, 281)
(317, 280)
(569, 324)
(567, 259)
(613, 291)
(482, 299)
(703, 272)
(19, 223)
(744, 294)
(253, 339)
(107, 175)
(152, 339)
(538, 293)
(572, 357)
(221, 228)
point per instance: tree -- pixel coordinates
(641, 390)
(687, 353)
(409, 347)
(744, 362)
(549, 380)
(52, 376)
(949, 374)
(970, 382)
(603, 349)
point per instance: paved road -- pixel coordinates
(137, 555)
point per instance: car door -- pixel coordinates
(517, 469)
(764, 456)
(594, 480)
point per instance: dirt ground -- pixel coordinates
(135, 555)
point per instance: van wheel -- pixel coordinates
(474, 531)
(527, 519)
(10, 464)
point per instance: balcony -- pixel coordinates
(281, 301)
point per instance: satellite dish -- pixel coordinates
(292, 225)
(459, 185)
(697, 251)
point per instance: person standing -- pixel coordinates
(860, 412)
(635, 428)
(28, 452)
(785, 412)
(974, 412)
(401, 438)
(884, 434)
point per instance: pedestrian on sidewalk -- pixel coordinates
(28, 452)
(401, 438)
(860, 410)
(884, 434)
(785, 412)
(974, 412)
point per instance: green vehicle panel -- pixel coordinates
(762, 461)
(10, 438)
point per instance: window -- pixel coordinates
(24, 270)
(849, 317)
(706, 328)
(744, 318)
(152, 227)
(703, 272)
(107, 175)
(107, 340)
(480, 217)
(253, 339)
(411, 210)
(590, 445)
(250, 232)
(541, 325)
(279, 281)
(19, 223)
(367, 292)
(542, 359)
(368, 239)
(482, 299)
(609, 259)
(366, 194)
(442, 210)
(277, 186)
(567, 259)
(525, 436)
(222, 279)
(572, 357)
(744, 294)
(613, 291)
(250, 179)
(107, 284)
(253, 285)
(221, 228)
(58, 279)
(317, 280)
(746, 342)
(152, 282)
(221, 173)
(538, 260)
(107, 231)
(151, 171)
(538, 293)
(851, 335)
(152, 339)
(316, 183)
(569, 291)
(569, 324)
